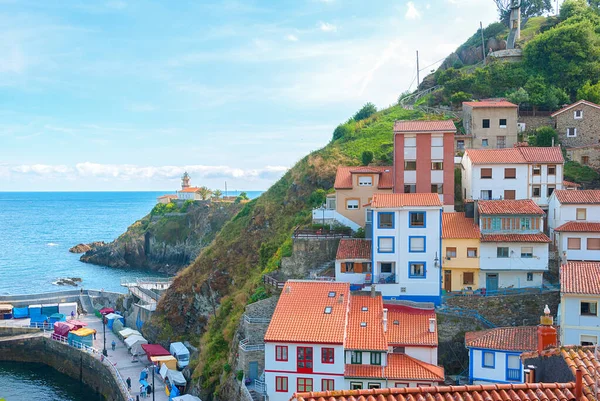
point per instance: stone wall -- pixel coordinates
(308, 253)
(588, 127)
(591, 152)
(16, 331)
(65, 359)
(534, 122)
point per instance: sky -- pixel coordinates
(126, 95)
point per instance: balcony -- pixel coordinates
(513, 374)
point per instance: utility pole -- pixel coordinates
(225, 189)
(482, 41)
(417, 69)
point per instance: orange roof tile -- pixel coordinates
(580, 278)
(539, 237)
(487, 392)
(574, 105)
(519, 155)
(343, 177)
(365, 324)
(354, 249)
(491, 103)
(167, 197)
(412, 328)
(302, 305)
(570, 184)
(456, 225)
(522, 338)
(542, 155)
(399, 367)
(189, 189)
(579, 227)
(509, 207)
(402, 200)
(424, 126)
(580, 197)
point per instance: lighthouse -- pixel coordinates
(185, 180)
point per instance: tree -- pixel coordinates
(518, 97)
(529, 8)
(459, 97)
(242, 196)
(342, 131)
(204, 192)
(544, 137)
(217, 193)
(542, 94)
(367, 157)
(589, 92)
(571, 8)
(365, 112)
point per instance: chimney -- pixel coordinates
(385, 314)
(432, 325)
(341, 299)
(529, 374)
(546, 333)
(372, 290)
(578, 384)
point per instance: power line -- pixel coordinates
(435, 62)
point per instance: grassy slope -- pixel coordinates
(251, 244)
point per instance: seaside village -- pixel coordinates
(358, 309)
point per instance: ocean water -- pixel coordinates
(38, 228)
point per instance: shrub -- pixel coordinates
(239, 375)
(342, 131)
(259, 293)
(227, 367)
(317, 198)
(459, 97)
(366, 157)
(365, 112)
(360, 233)
(544, 137)
(580, 174)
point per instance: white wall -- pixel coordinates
(425, 354)
(366, 357)
(559, 214)
(482, 375)
(497, 184)
(512, 279)
(577, 254)
(573, 324)
(488, 259)
(352, 278)
(270, 378)
(387, 383)
(544, 180)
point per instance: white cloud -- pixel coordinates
(327, 27)
(412, 12)
(291, 38)
(41, 169)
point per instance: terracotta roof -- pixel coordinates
(523, 338)
(401, 200)
(580, 278)
(365, 324)
(189, 189)
(412, 327)
(488, 392)
(539, 237)
(343, 178)
(581, 197)
(424, 126)
(579, 227)
(399, 367)
(456, 225)
(167, 196)
(354, 249)
(509, 206)
(574, 105)
(491, 103)
(302, 305)
(519, 155)
(571, 184)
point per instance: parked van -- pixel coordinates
(181, 353)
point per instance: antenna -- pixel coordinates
(417, 70)
(482, 41)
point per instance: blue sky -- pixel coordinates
(126, 95)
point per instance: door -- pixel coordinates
(305, 360)
(253, 371)
(447, 280)
(491, 282)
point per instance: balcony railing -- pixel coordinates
(513, 374)
(244, 346)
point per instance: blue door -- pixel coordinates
(491, 282)
(253, 371)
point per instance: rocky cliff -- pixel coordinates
(164, 242)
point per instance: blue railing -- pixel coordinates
(513, 374)
(483, 292)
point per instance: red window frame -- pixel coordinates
(302, 383)
(281, 384)
(281, 353)
(327, 384)
(304, 359)
(327, 355)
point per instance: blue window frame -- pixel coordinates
(385, 220)
(488, 359)
(417, 219)
(387, 245)
(417, 270)
(513, 367)
(496, 223)
(417, 244)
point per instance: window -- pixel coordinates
(484, 143)
(386, 267)
(513, 367)
(593, 244)
(551, 169)
(486, 173)
(471, 252)
(486, 194)
(355, 386)
(527, 252)
(369, 215)
(375, 358)
(437, 141)
(352, 204)
(410, 188)
(356, 357)
(374, 385)
(450, 252)
(416, 244)
(571, 132)
(525, 223)
(529, 276)
(400, 385)
(416, 219)
(398, 350)
(468, 278)
(589, 308)
(581, 213)
(537, 169)
(496, 223)
(410, 142)
(327, 385)
(281, 384)
(410, 165)
(485, 123)
(573, 243)
(550, 190)
(502, 123)
(460, 145)
(585, 160)
(437, 165)
(578, 114)
(416, 269)
(385, 244)
(501, 142)
(327, 355)
(437, 188)
(502, 252)
(386, 219)
(488, 360)
(365, 181)
(304, 362)
(304, 385)
(536, 191)
(588, 340)
(510, 173)
(510, 194)
(281, 353)
(348, 267)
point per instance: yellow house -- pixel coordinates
(355, 186)
(460, 249)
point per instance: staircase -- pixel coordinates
(86, 303)
(316, 273)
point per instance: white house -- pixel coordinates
(323, 337)
(514, 249)
(407, 246)
(353, 261)
(574, 206)
(578, 240)
(512, 173)
(579, 298)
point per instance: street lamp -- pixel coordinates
(104, 352)
(153, 369)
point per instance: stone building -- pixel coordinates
(587, 155)
(578, 124)
(489, 124)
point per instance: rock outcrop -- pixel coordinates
(82, 248)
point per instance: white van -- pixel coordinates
(181, 353)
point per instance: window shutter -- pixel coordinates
(358, 267)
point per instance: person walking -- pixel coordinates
(114, 344)
(142, 391)
(128, 381)
(72, 315)
(149, 390)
